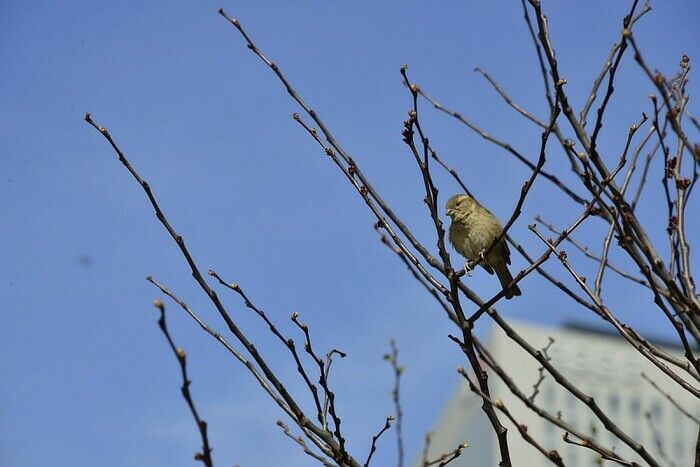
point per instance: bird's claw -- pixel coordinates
(467, 270)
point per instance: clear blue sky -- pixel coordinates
(86, 376)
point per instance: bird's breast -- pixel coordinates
(470, 236)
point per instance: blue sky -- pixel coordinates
(86, 376)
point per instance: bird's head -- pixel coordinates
(459, 205)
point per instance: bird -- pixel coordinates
(472, 230)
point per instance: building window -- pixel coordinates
(679, 448)
(635, 407)
(572, 454)
(614, 403)
(548, 394)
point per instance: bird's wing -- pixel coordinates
(506, 250)
(488, 268)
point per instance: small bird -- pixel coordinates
(472, 230)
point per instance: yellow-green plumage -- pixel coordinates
(472, 230)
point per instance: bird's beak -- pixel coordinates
(449, 212)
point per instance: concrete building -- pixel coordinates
(603, 366)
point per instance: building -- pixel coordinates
(603, 366)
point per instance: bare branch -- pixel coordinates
(237, 355)
(552, 178)
(553, 456)
(288, 343)
(455, 284)
(392, 358)
(486, 307)
(671, 399)
(660, 82)
(205, 456)
(323, 381)
(446, 458)
(606, 67)
(426, 447)
(623, 330)
(540, 58)
(540, 370)
(657, 440)
(587, 252)
(300, 441)
(509, 101)
(300, 418)
(603, 455)
(557, 420)
(525, 188)
(373, 448)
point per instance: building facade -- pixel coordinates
(603, 366)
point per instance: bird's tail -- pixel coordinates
(506, 278)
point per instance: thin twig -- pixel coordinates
(524, 190)
(300, 418)
(216, 335)
(351, 169)
(488, 137)
(508, 99)
(584, 249)
(657, 439)
(446, 458)
(609, 424)
(368, 195)
(300, 441)
(453, 297)
(697, 449)
(671, 399)
(603, 455)
(606, 67)
(205, 455)
(540, 370)
(392, 358)
(486, 307)
(624, 331)
(556, 420)
(635, 241)
(288, 343)
(603, 262)
(519, 248)
(426, 448)
(326, 398)
(323, 382)
(553, 456)
(373, 448)
(659, 81)
(386, 241)
(540, 57)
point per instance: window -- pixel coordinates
(635, 407)
(679, 448)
